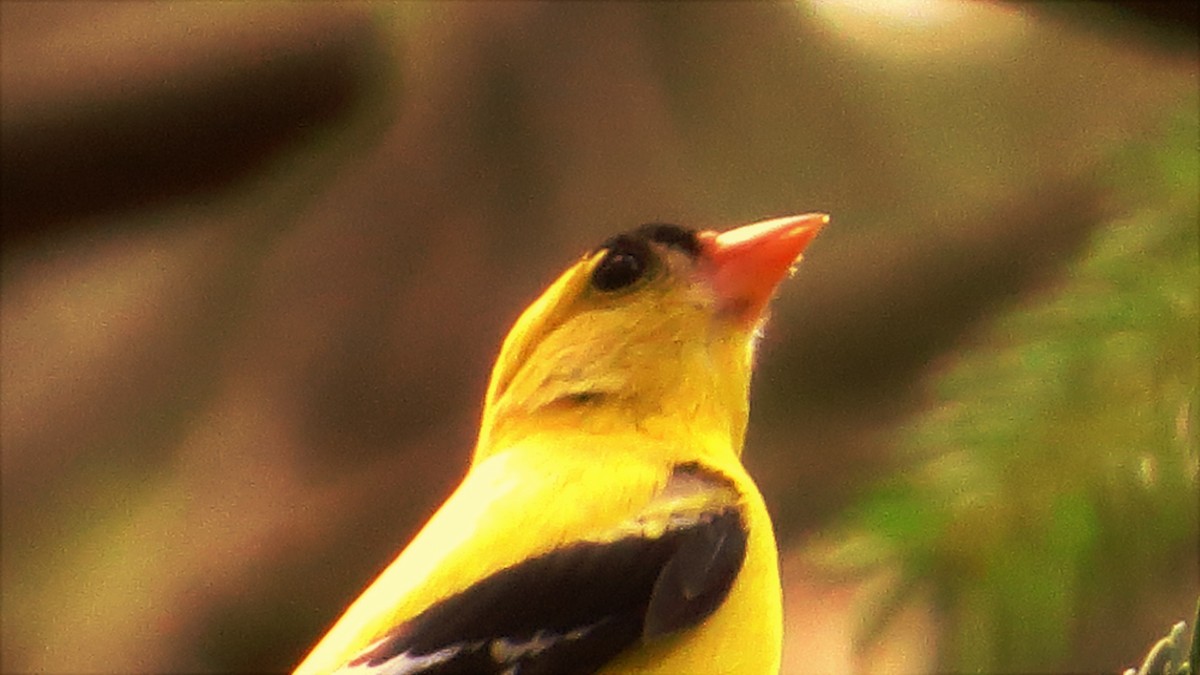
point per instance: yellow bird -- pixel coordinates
(606, 523)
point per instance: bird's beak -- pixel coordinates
(747, 263)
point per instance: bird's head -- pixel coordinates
(653, 330)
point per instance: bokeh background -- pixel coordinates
(257, 259)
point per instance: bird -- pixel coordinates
(605, 523)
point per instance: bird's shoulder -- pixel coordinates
(574, 606)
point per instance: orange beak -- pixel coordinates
(747, 263)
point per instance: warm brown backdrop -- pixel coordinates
(257, 259)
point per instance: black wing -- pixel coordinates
(572, 610)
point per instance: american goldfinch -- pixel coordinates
(606, 523)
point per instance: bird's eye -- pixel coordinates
(621, 267)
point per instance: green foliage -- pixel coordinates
(1057, 475)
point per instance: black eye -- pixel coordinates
(625, 263)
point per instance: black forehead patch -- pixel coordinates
(672, 236)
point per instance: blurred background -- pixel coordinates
(257, 259)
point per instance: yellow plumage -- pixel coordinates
(614, 415)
